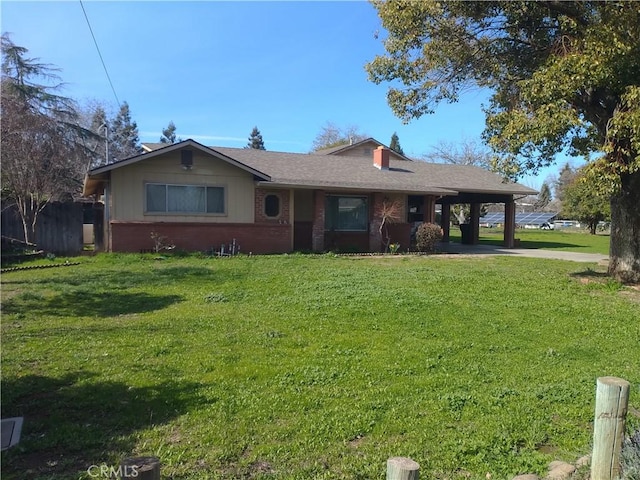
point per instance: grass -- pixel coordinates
(571, 240)
(310, 366)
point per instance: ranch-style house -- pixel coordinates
(201, 197)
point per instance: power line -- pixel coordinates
(99, 53)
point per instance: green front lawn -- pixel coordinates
(570, 240)
(299, 366)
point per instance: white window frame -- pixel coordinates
(167, 212)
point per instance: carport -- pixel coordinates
(475, 200)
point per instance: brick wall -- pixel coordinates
(260, 215)
(375, 239)
(347, 241)
(317, 232)
(256, 238)
(400, 233)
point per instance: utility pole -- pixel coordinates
(106, 142)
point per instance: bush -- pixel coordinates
(428, 236)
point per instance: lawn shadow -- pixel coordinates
(589, 273)
(534, 244)
(86, 303)
(71, 423)
(111, 278)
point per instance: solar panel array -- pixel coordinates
(533, 218)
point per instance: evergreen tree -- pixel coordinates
(544, 197)
(566, 176)
(255, 140)
(123, 135)
(395, 144)
(169, 134)
(43, 153)
(100, 126)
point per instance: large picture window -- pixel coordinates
(162, 198)
(346, 213)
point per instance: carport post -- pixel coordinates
(475, 223)
(509, 223)
(445, 221)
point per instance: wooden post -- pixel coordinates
(140, 468)
(445, 222)
(509, 224)
(612, 400)
(402, 468)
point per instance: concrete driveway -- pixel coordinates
(523, 252)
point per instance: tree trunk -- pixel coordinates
(29, 210)
(624, 250)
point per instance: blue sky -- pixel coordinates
(217, 69)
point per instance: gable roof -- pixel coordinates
(151, 146)
(97, 176)
(339, 149)
(322, 171)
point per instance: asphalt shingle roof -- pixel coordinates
(319, 170)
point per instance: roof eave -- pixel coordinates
(178, 146)
(437, 191)
(93, 185)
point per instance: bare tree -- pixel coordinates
(390, 212)
(331, 135)
(43, 147)
(466, 152)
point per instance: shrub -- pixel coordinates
(427, 237)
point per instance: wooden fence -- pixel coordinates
(58, 230)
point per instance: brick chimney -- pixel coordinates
(381, 158)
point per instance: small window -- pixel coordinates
(272, 205)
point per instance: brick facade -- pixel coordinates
(285, 208)
(375, 238)
(255, 238)
(267, 234)
(317, 230)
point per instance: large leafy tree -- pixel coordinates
(564, 76)
(584, 202)
(44, 151)
(255, 140)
